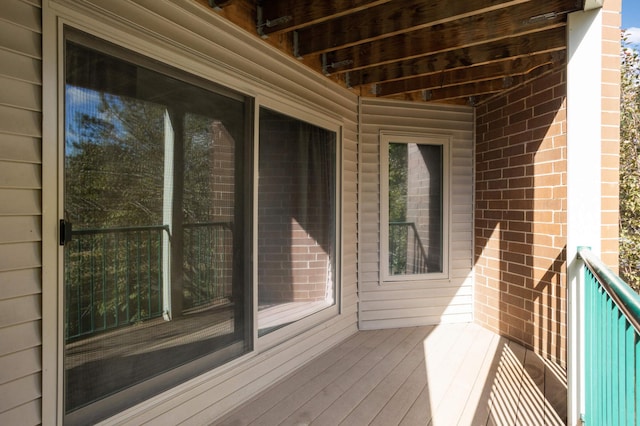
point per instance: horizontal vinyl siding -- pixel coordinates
(222, 53)
(20, 212)
(411, 303)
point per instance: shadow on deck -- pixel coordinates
(441, 375)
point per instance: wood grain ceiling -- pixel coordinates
(454, 51)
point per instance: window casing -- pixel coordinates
(160, 190)
(414, 216)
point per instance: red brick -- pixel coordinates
(521, 116)
(519, 160)
(519, 94)
(517, 171)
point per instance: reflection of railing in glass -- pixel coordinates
(407, 254)
(208, 263)
(114, 276)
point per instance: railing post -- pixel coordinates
(575, 341)
(584, 47)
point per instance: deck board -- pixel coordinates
(371, 405)
(437, 349)
(306, 390)
(477, 410)
(354, 396)
(338, 388)
(440, 375)
(456, 396)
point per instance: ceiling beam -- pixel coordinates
(477, 89)
(395, 17)
(503, 69)
(512, 21)
(539, 42)
(311, 12)
(219, 4)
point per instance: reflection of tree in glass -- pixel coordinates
(114, 163)
(397, 207)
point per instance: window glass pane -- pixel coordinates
(415, 208)
(154, 192)
(296, 220)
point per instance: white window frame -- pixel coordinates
(445, 141)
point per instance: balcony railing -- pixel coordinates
(114, 277)
(611, 348)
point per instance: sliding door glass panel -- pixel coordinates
(153, 271)
(296, 220)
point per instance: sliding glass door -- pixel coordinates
(156, 228)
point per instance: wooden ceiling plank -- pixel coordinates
(446, 78)
(540, 42)
(395, 17)
(311, 12)
(479, 88)
(508, 22)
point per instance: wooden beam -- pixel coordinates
(508, 22)
(240, 12)
(477, 89)
(312, 12)
(507, 68)
(395, 17)
(219, 4)
(540, 42)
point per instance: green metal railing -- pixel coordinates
(406, 251)
(114, 277)
(612, 346)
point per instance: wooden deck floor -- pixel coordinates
(456, 374)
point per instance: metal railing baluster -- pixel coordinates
(92, 267)
(138, 283)
(160, 272)
(116, 296)
(79, 290)
(149, 271)
(104, 282)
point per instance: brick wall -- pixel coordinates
(610, 130)
(520, 224)
(520, 229)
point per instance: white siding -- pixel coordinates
(20, 212)
(186, 34)
(386, 305)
